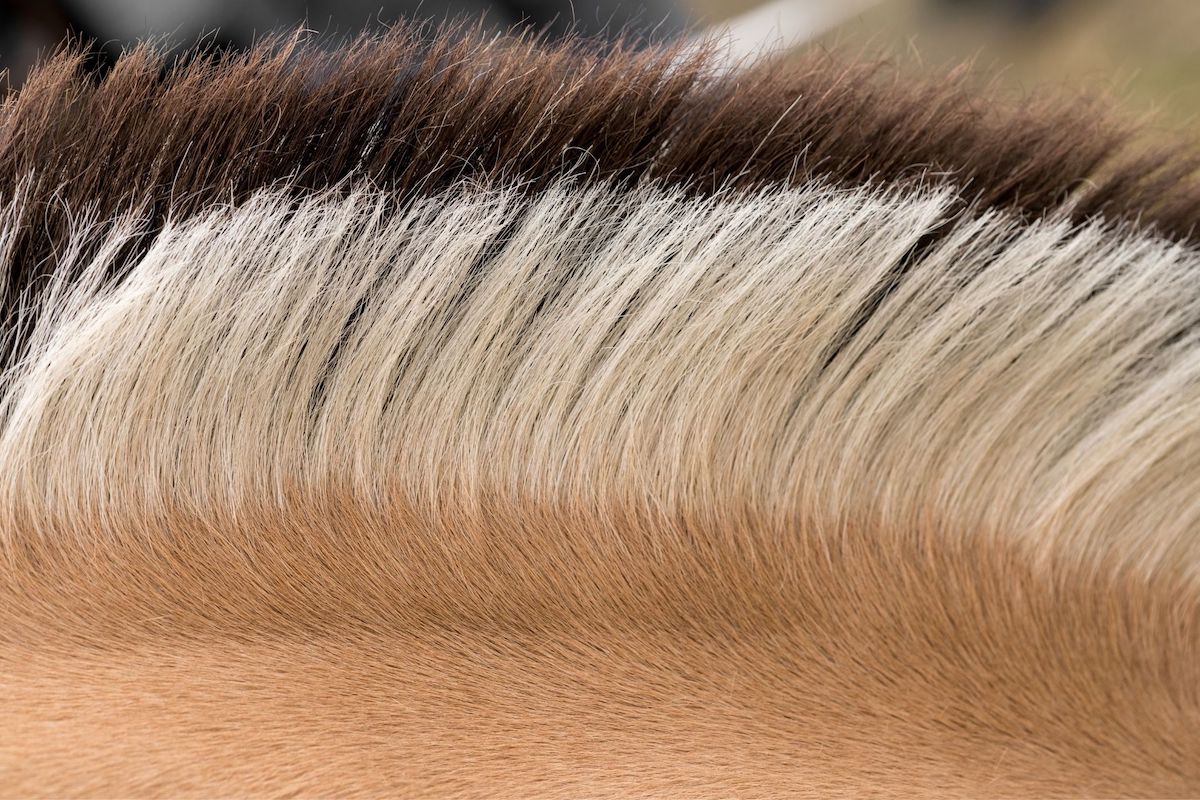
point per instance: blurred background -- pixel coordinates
(1145, 52)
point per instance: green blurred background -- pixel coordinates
(1146, 53)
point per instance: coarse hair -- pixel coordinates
(605, 491)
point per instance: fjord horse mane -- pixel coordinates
(444, 415)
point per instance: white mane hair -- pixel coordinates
(606, 493)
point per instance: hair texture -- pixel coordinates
(467, 416)
(416, 111)
(606, 491)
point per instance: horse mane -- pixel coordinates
(462, 416)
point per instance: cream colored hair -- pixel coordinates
(598, 493)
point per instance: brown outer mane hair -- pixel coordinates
(417, 110)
